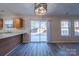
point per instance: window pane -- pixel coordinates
(64, 23)
(65, 33)
(76, 28)
(8, 23)
(76, 23)
(65, 28)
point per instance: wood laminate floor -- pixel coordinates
(44, 49)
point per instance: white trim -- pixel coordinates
(63, 42)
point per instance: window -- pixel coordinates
(76, 28)
(65, 28)
(8, 23)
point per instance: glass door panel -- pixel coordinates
(43, 35)
(38, 31)
(34, 31)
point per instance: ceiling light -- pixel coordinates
(40, 8)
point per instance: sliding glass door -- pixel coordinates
(38, 31)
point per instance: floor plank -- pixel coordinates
(44, 49)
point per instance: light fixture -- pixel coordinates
(40, 8)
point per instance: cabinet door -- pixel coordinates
(17, 23)
(1, 23)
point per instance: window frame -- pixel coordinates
(75, 27)
(68, 28)
(6, 23)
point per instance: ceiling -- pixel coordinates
(27, 9)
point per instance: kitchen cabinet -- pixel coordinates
(8, 42)
(1, 23)
(17, 23)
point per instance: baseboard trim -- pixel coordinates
(54, 42)
(64, 42)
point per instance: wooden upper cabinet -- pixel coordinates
(17, 23)
(1, 23)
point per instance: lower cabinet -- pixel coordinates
(7, 44)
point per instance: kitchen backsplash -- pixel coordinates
(10, 30)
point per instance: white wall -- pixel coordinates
(54, 28)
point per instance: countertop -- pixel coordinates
(6, 35)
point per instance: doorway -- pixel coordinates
(38, 31)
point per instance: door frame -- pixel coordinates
(30, 32)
